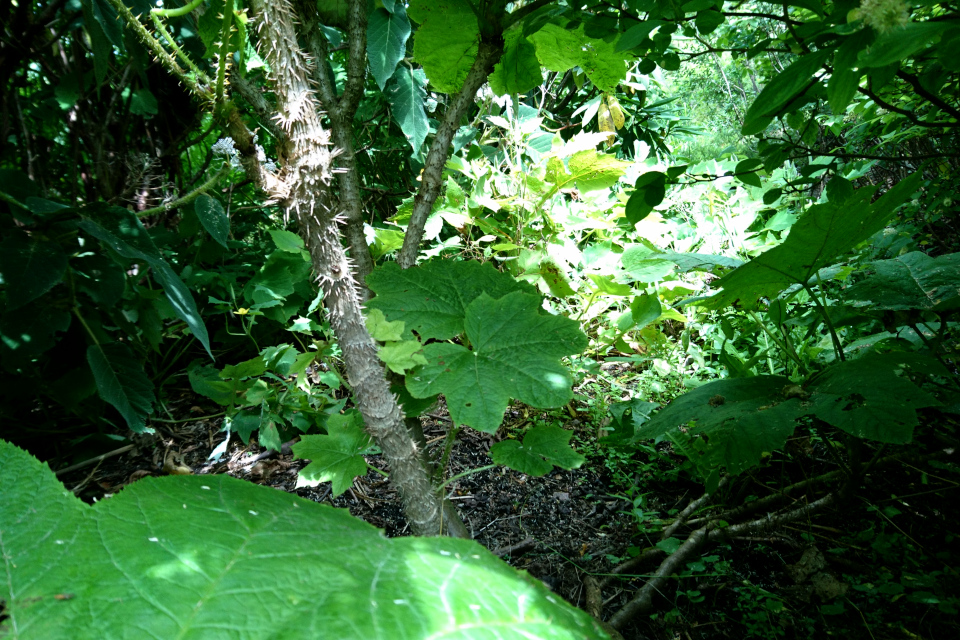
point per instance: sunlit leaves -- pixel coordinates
(518, 70)
(202, 556)
(514, 353)
(446, 42)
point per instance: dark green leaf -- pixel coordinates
(868, 399)
(406, 95)
(900, 44)
(707, 21)
(518, 70)
(213, 218)
(122, 383)
(911, 281)
(29, 267)
(740, 418)
(772, 195)
(821, 234)
(780, 91)
(387, 34)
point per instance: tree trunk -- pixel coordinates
(308, 175)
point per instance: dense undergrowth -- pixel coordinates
(708, 251)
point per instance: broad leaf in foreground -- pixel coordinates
(432, 299)
(911, 281)
(542, 449)
(739, 420)
(515, 353)
(215, 557)
(336, 457)
(824, 232)
(122, 382)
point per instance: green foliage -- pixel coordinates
(541, 450)
(514, 352)
(336, 457)
(136, 561)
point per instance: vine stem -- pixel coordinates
(190, 197)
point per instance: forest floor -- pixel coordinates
(567, 525)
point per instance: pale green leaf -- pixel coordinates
(515, 353)
(382, 329)
(542, 449)
(400, 356)
(215, 557)
(446, 42)
(286, 240)
(518, 70)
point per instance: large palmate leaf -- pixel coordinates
(122, 231)
(739, 420)
(588, 171)
(406, 94)
(29, 267)
(560, 49)
(541, 450)
(868, 398)
(515, 353)
(387, 34)
(122, 382)
(432, 299)
(518, 70)
(336, 457)
(911, 281)
(215, 557)
(821, 234)
(446, 42)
